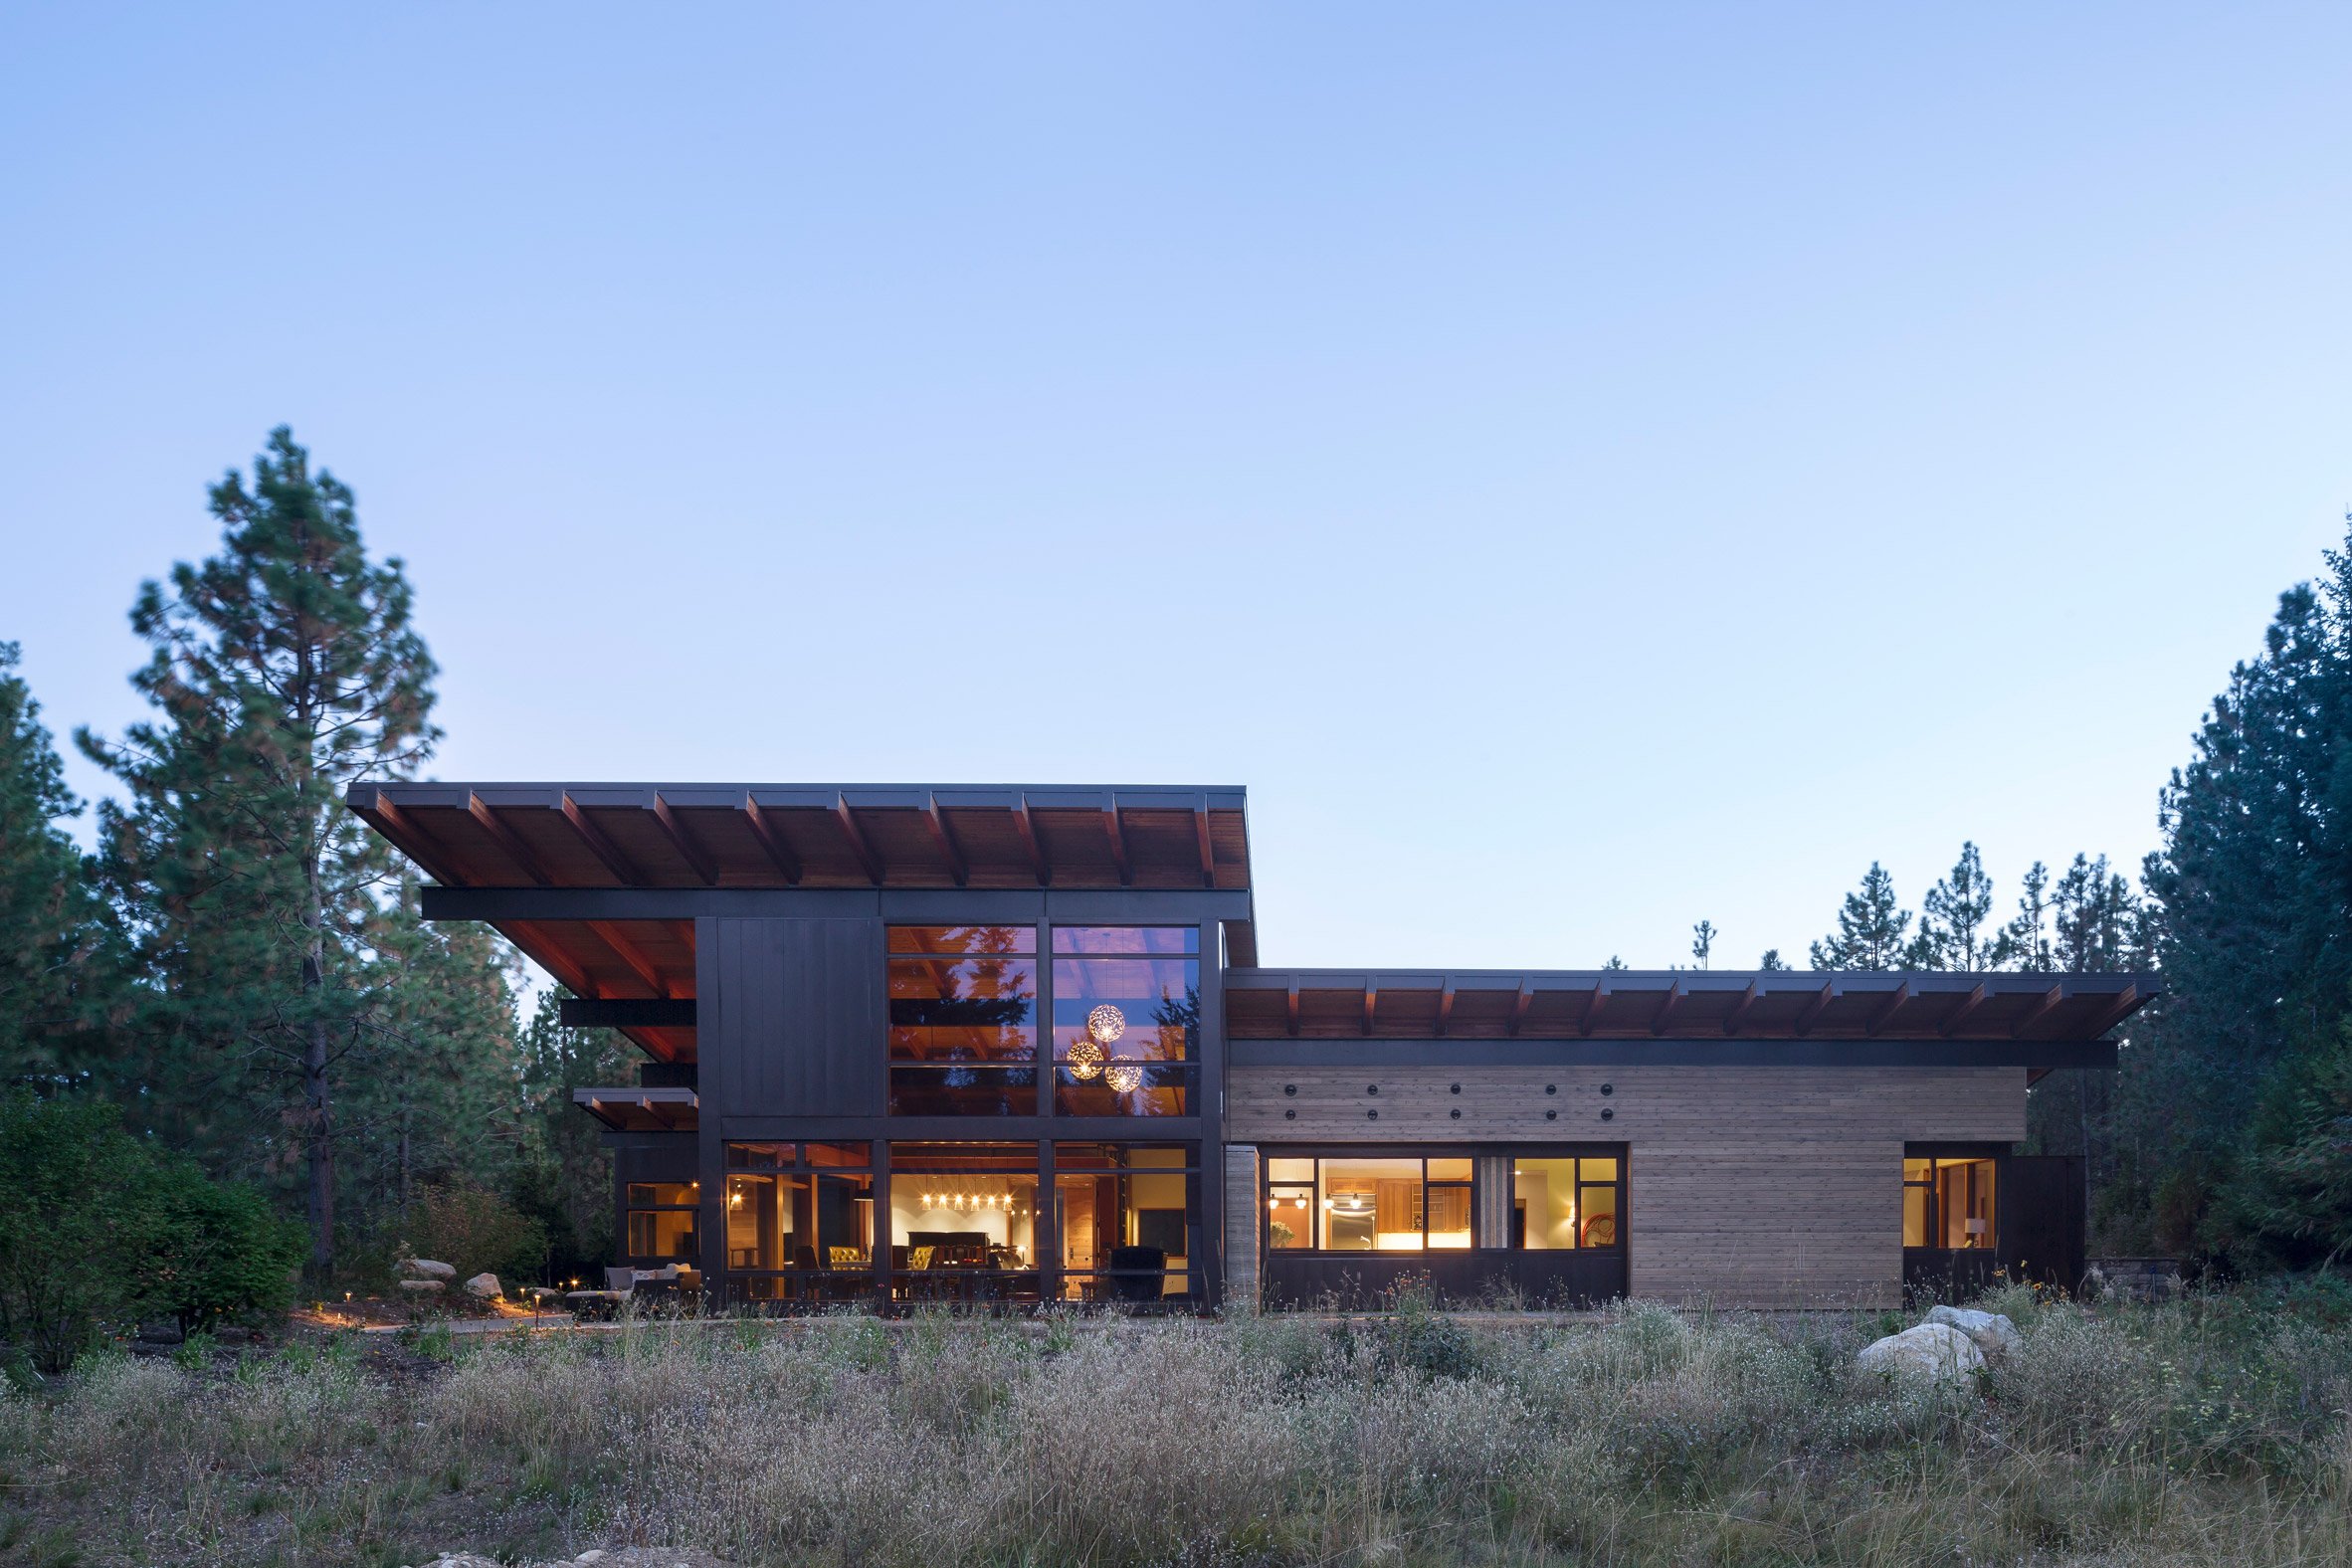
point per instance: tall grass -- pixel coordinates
(2208, 1431)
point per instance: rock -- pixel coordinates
(484, 1286)
(1994, 1334)
(422, 1287)
(1934, 1352)
(427, 1268)
(592, 1555)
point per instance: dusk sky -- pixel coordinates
(1583, 469)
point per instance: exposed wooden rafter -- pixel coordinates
(1026, 831)
(1885, 1015)
(630, 954)
(1592, 1007)
(1673, 1005)
(549, 956)
(607, 853)
(506, 839)
(855, 835)
(771, 843)
(682, 841)
(1200, 828)
(1813, 1009)
(1371, 1003)
(414, 841)
(1966, 1010)
(1291, 1008)
(2115, 1012)
(1739, 1009)
(2040, 1009)
(1119, 843)
(944, 841)
(1445, 1007)
(1519, 1004)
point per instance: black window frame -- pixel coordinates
(1321, 1154)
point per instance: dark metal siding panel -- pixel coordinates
(801, 1022)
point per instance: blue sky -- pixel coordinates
(1584, 468)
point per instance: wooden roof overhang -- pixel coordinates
(632, 1109)
(783, 836)
(813, 835)
(2035, 1019)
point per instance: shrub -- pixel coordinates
(214, 1250)
(474, 1230)
(98, 1229)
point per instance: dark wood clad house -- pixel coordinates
(1014, 1044)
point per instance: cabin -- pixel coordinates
(1011, 1045)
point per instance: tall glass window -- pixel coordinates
(964, 1020)
(965, 1222)
(799, 1221)
(1129, 1215)
(1126, 1019)
(1559, 1203)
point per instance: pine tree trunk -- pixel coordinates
(316, 1089)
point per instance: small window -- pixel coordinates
(1948, 1204)
(664, 1194)
(1126, 938)
(1564, 1204)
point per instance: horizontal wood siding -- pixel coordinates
(801, 1028)
(1748, 1186)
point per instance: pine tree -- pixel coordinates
(565, 1180)
(1771, 961)
(51, 928)
(284, 668)
(1702, 942)
(1870, 927)
(2024, 942)
(1954, 920)
(2227, 1075)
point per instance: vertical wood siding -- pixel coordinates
(1240, 1226)
(802, 1029)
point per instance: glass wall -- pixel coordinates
(1364, 1204)
(1560, 1204)
(1126, 1019)
(662, 1215)
(1127, 1216)
(964, 1020)
(799, 1221)
(1948, 1203)
(965, 1222)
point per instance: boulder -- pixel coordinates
(427, 1268)
(1994, 1334)
(484, 1286)
(1931, 1352)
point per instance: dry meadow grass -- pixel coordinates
(2214, 1431)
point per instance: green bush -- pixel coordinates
(473, 1230)
(98, 1230)
(215, 1250)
